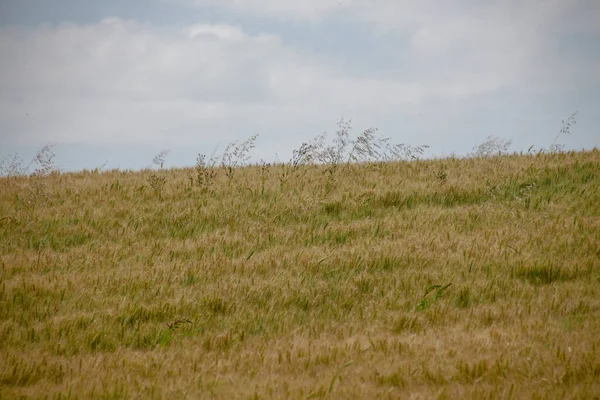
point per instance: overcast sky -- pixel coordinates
(117, 81)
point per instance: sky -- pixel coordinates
(112, 83)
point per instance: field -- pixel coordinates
(451, 278)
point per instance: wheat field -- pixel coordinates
(450, 278)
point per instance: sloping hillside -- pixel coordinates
(464, 278)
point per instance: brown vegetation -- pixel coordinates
(454, 278)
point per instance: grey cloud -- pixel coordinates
(125, 81)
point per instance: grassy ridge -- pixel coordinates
(446, 278)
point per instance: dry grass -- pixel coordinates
(472, 278)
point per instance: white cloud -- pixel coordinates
(125, 81)
(464, 45)
(569, 15)
(122, 81)
(310, 10)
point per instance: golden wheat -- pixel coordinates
(455, 278)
